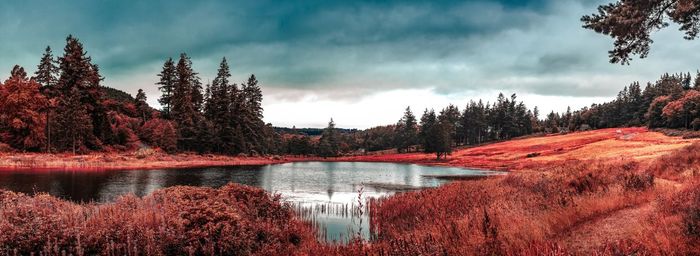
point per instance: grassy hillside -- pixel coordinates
(534, 152)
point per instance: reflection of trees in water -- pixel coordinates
(25, 182)
(143, 180)
(246, 175)
(188, 177)
(71, 185)
(87, 186)
(330, 176)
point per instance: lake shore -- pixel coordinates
(514, 155)
(123, 161)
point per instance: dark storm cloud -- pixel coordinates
(340, 49)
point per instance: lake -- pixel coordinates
(323, 192)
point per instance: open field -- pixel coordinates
(616, 143)
(634, 193)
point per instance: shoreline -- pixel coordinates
(126, 161)
(513, 155)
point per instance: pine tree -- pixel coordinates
(441, 134)
(426, 134)
(498, 119)
(141, 106)
(21, 103)
(406, 131)
(197, 96)
(329, 144)
(536, 126)
(251, 115)
(75, 122)
(566, 118)
(208, 109)
(218, 110)
(253, 96)
(451, 115)
(80, 78)
(183, 110)
(47, 71)
(167, 86)
(480, 121)
(47, 76)
(636, 115)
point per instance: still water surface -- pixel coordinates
(325, 191)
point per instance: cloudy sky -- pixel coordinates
(360, 62)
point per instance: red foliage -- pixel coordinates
(122, 128)
(504, 215)
(681, 112)
(160, 133)
(679, 165)
(21, 120)
(232, 220)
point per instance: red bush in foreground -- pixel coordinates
(232, 220)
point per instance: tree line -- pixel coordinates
(673, 101)
(435, 132)
(64, 108)
(226, 118)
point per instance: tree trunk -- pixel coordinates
(48, 131)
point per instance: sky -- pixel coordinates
(358, 62)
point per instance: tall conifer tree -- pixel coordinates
(80, 79)
(166, 85)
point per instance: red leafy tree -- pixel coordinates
(159, 133)
(21, 106)
(681, 112)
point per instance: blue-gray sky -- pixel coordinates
(360, 62)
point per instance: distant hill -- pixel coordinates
(116, 94)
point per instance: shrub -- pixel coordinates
(691, 222)
(4, 148)
(638, 181)
(159, 133)
(677, 164)
(533, 154)
(142, 153)
(232, 220)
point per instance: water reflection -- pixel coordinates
(316, 187)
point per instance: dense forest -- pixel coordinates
(673, 101)
(65, 108)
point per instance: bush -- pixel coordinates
(695, 124)
(159, 133)
(232, 220)
(691, 222)
(534, 154)
(4, 148)
(678, 164)
(144, 153)
(637, 181)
